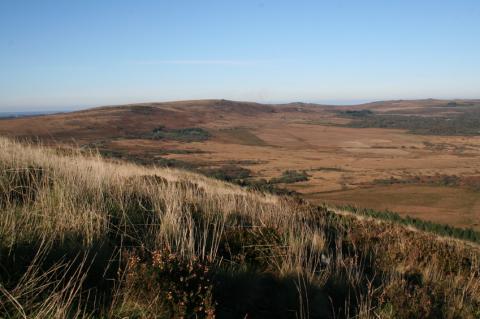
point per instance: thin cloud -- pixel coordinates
(196, 62)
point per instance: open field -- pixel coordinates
(343, 163)
(444, 205)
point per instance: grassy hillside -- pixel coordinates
(83, 237)
(333, 161)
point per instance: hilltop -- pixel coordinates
(134, 119)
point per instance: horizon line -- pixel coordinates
(332, 102)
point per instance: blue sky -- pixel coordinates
(70, 54)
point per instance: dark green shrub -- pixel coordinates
(291, 176)
(228, 173)
(355, 113)
(193, 134)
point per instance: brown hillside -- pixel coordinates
(372, 167)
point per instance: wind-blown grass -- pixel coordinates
(84, 237)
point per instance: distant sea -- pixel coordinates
(4, 115)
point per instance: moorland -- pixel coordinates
(86, 237)
(414, 157)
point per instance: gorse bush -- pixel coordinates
(82, 237)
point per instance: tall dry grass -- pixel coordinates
(76, 231)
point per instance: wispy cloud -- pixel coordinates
(196, 62)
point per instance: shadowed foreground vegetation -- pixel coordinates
(84, 237)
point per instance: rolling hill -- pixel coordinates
(417, 158)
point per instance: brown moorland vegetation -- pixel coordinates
(84, 237)
(344, 150)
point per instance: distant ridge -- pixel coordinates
(136, 119)
(26, 113)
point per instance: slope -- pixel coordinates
(85, 237)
